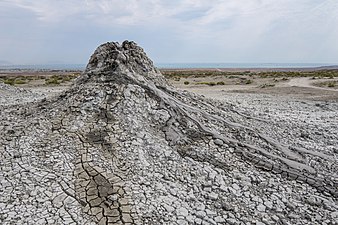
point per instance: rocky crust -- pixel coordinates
(10, 95)
(121, 146)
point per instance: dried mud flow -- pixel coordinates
(122, 146)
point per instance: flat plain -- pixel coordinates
(307, 83)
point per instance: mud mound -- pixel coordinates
(10, 95)
(123, 147)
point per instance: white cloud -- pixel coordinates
(244, 28)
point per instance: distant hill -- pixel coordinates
(4, 63)
(334, 67)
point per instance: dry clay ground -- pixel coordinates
(297, 108)
(298, 87)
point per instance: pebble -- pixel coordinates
(182, 212)
(218, 142)
(261, 208)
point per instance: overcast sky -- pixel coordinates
(171, 31)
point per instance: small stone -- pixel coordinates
(293, 216)
(268, 204)
(213, 196)
(219, 219)
(168, 208)
(223, 188)
(226, 206)
(260, 223)
(218, 142)
(256, 199)
(261, 208)
(236, 187)
(313, 201)
(182, 212)
(232, 221)
(200, 214)
(200, 206)
(209, 221)
(210, 213)
(275, 218)
(334, 214)
(198, 221)
(190, 219)
(183, 222)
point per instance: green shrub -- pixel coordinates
(52, 80)
(220, 83)
(19, 81)
(331, 84)
(248, 82)
(9, 81)
(207, 83)
(66, 78)
(186, 82)
(232, 77)
(266, 85)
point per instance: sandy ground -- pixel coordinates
(303, 87)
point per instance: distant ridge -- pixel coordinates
(328, 67)
(4, 63)
(263, 66)
(45, 67)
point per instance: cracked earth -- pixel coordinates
(122, 146)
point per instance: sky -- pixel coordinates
(171, 31)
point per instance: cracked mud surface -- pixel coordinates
(121, 146)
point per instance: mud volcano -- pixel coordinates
(121, 146)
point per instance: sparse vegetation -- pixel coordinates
(58, 79)
(186, 82)
(20, 81)
(9, 81)
(207, 83)
(220, 83)
(330, 84)
(233, 77)
(176, 74)
(266, 85)
(48, 78)
(52, 80)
